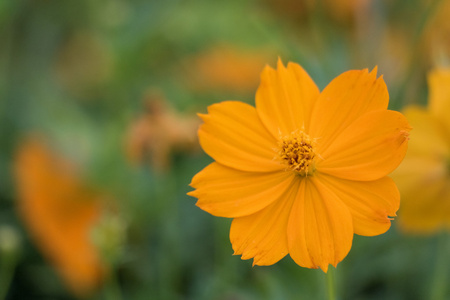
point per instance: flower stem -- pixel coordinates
(112, 289)
(331, 285)
(427, 15)
(6, 275)
(439, 283)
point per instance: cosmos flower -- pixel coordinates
(304, 170)
(226, 68)
(160, 132)
(339, 12)
(59, 212)
(424, 176)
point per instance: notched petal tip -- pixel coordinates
(378, 81)
(364, 71)
(267, 68)
(374, 72)
(204, 117)
(199, 205)
(324, 269)
(280, 63)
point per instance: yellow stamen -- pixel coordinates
(297, 152)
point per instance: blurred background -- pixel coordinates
(98, 103)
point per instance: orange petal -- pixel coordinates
(345, 99)
(370, 202)
(234, 136)
(320, 230)
(369, 149)
(284, 98)
(226, 192)
(262, 236)
(439, 99)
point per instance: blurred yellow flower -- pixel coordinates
(59, 213)
(304, 170)
(424, 176)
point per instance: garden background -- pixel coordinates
(112, 88)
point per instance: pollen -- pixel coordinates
(297, 152)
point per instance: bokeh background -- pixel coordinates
(98, 103)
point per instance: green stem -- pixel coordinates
(112, 288)
(331, 285)
(439, 279)
(6, 275)
(426, 17)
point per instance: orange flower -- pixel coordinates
(59, 212)
(346, 10)
(342, 11)
(424, 176)
(303, 171)
(227, 68)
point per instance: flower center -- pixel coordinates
(297, 152)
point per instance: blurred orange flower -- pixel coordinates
(159, 132)
(424, 176)
(291, 9)
(342, 11)
(304, 170)
(346, 10)
(224, 67)
(59, 213)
